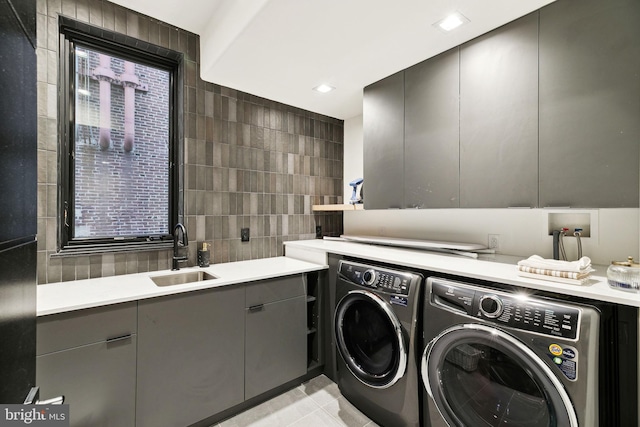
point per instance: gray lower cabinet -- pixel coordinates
(432, 133)
(590, 103)
(499, 117)
(383, 136)
(89, 356)
(275, 334)
(190, 356)
(174, 360)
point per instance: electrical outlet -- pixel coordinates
(318, 232)
(494, 242)
(244, 234)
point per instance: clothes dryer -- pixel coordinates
(376, 331)
(497, 358)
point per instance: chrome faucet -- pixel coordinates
(177, 244)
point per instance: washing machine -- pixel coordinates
(500, 358)
(376, 333)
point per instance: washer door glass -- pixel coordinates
(481, 376)
(369, 339)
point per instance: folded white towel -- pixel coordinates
(579, 282)
(536, 261)
(557, 273)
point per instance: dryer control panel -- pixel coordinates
(391, 281)
(512, 310)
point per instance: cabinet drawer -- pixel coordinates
(276, 345)
(67, 330)
(97, 380)
(279, 289)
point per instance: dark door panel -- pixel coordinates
(18, 128)
(17, 322)
(18, 189)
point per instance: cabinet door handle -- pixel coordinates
(254, 308)
(33, 398)
(119, 338)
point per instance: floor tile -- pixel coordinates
(279, 411)
(317, 418)
(345, 413)
(315, 403)
(321, 389)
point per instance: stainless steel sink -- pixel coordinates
(182, 278)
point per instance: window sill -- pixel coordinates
(87, 250)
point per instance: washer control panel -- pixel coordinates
(379, 278)
(513, 310)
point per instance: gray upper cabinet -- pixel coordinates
(383, 136)
(499, 117)
(590, 103)
(432, 137)
(546, 111)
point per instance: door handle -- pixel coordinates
(255, 308)
(33, 398)
(119, 338)
(53, 401)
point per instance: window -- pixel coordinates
(119, 147)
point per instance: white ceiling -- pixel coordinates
(281, 49)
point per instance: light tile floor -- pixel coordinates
(316, 403)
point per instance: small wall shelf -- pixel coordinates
(338, 207)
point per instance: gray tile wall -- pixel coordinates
(248, 161)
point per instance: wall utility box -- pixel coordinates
(570, 220)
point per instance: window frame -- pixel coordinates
(125, 47)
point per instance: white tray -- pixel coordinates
(416, 244)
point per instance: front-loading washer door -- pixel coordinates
(478, 375)
(369, 338)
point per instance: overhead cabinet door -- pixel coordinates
(432, 135)
(499, 117)
(590, 103)
(383, 135)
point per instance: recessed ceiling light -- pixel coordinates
(451, 22)
(323, 88)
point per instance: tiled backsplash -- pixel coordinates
(248, 161)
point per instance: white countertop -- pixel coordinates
(306, 256)
(79, 294)
(496, 268)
